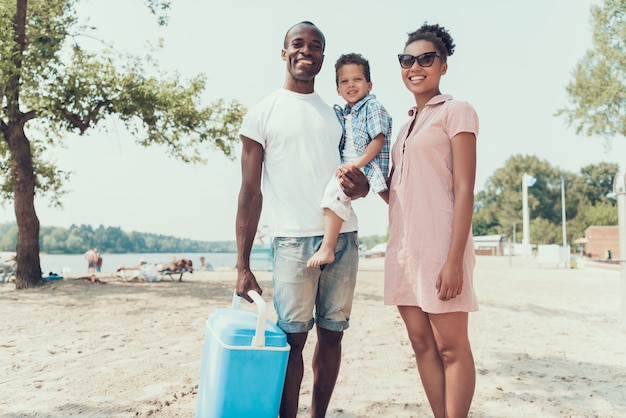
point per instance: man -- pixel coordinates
(291, 140)
(91, 256)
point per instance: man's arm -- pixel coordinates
(248, 213)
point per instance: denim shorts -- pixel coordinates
(327, 291)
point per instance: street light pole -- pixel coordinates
(527, 181)
(525, 217)
(565, 253)
(619, 187)
(564, 220)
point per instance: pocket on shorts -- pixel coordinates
(289, 249)
(287, 242)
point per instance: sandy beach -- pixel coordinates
(548, 342)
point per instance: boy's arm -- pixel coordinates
(371, 151)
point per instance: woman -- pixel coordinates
(430, 254)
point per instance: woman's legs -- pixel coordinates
(444, 359)
(450, 332)
(429, 364)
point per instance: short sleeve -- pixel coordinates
(254, 122)
(462, 117)
(378, 120)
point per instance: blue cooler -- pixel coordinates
(243, 363)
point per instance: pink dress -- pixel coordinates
(421, 199)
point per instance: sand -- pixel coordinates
(548, 342)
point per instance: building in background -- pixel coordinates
(602, 242)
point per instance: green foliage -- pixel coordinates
(112, 240)
(8, 237)
(159, 9)
(50, 82)
(545, 232)
(64, 87)
(598, 90)
(499, 206)
(601, 214)
(76, 239)
(372, 240)
(587, 196)
(597, 182)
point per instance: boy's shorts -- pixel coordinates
(336, 200)
(299, 291)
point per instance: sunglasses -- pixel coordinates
(424, 60)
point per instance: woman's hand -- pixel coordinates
(450, 281)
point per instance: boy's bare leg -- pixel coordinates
(326, 253)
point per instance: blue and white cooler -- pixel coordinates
(244, 361)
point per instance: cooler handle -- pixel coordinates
(259, 337)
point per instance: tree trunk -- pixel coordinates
(28, 272)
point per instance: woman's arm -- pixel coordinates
(385, 194)
(450, 281)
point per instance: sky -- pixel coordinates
(512, 62)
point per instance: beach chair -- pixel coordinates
(7, 272)
(171, 273)
(145, 272)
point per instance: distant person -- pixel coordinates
(204, 266)
(144, 271)
(7, 267)
(364, 146)
(137, 267)
(92, 257)
(174, 265)
(429, 260)
(99, 263)
(259, 236)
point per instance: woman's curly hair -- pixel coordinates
(436, 34)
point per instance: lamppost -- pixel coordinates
(619, 187)
(527, 181)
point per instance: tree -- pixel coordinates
(545, 232)
(52, 85)
(499, 206)
(598, 91)
(598, 182)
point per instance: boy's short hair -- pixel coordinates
(352, 58)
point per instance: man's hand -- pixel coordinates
(246, 281)
(353, 182)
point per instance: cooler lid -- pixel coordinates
(236, 327)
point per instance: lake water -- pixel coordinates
(75, 264)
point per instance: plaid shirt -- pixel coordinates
(369, 119)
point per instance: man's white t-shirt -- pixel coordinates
(300, 136)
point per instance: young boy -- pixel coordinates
(365, 144)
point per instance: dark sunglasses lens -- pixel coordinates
(406, 60)
(426, 60)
